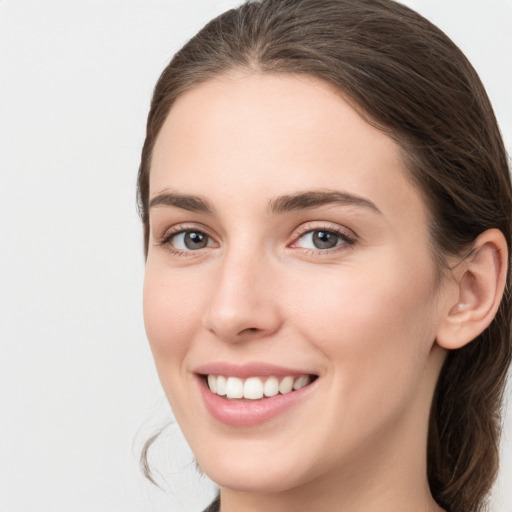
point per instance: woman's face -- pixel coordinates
(288, 246)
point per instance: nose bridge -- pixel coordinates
(242, 304)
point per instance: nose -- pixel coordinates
(243, 305)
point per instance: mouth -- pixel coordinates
(253, 393)
(256, 388)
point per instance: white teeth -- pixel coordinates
(271, 387)
(301, 381)
(286, 385)
(221, 385)
(234, 388)
(255, 388)
(212, 383)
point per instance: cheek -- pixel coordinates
(172, 319)
(379, 322)
(375, 334)
(171, 315)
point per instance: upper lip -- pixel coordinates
(246, 370)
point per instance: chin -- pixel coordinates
(249, 482)
(252, 476)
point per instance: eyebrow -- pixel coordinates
(281, 204)
(316, 198)
(183, 201)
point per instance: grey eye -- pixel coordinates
(190, 240)
(319, 239)
(325, 239)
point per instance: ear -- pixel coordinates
(475, 295)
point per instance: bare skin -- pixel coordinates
(358, 308)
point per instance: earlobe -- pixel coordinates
(480, 281)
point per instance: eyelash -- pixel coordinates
(177, 230)
(346, 239)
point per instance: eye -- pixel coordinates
(322, 239)
(189, 241)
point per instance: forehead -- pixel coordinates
(268, 134)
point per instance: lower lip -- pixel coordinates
(248, 413)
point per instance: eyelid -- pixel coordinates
(347, 235)
(324, 225)
(164, 240)
(185, 226)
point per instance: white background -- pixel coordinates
(78, 392)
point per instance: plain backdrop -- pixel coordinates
(78, 391)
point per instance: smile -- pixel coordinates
(252, 394)
(256, 388)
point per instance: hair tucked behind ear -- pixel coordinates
(406, 77)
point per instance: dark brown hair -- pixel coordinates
(408, 78)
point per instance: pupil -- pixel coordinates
(194, 240)
(324, 239)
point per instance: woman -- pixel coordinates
(327, 212)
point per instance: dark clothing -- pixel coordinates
(214, 506)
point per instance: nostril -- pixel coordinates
(250, 330)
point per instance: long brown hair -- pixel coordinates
(408, 78)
